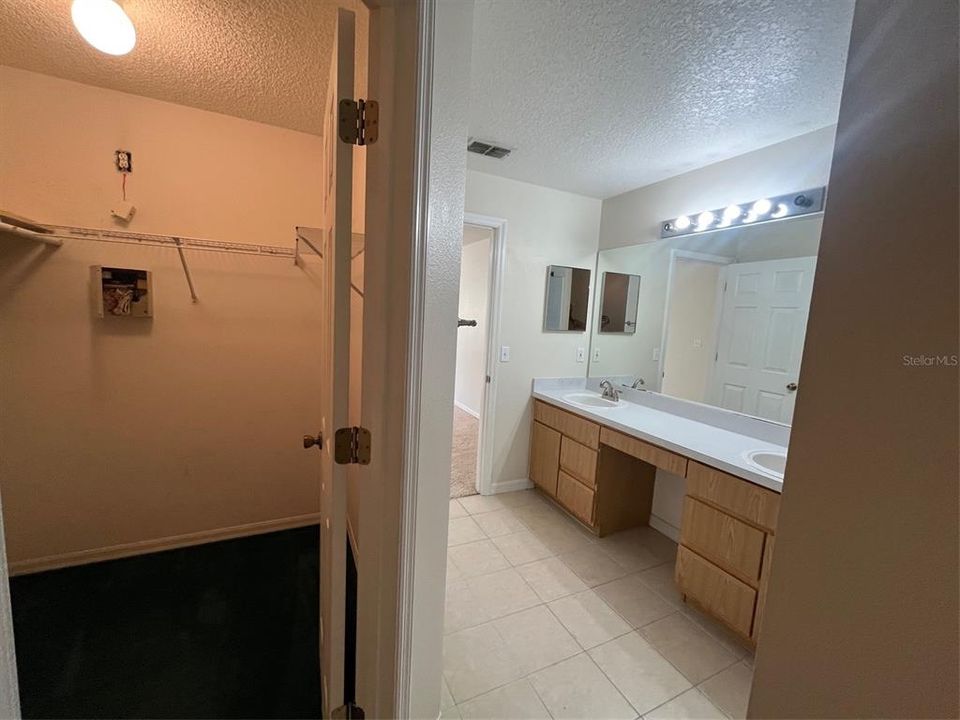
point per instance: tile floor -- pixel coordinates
(545, 620)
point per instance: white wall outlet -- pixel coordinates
(656, 354)
(697, 343)
(596, 354)
(581, 354)
(504, 353)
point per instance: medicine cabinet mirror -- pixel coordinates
(568, 297)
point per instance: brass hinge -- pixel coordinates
(351, 446)
(350, 711)
(359, 121)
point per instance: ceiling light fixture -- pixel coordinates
(105, 25)
(765, 209)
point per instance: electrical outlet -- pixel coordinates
(504, 353)
(581, 354)
(124, 161)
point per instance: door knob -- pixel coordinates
(466, 323)
(792, 387)
(309, 441)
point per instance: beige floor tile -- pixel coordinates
(476, 661)
(551, 579)
(640, 673)
(453, 572)
(518, 498)
(463, 530)
(477, 558)
(477, 504)
(634, 550)
(690, 649)
(563, 537)
(446, 699)
(719, 632)
(516, 701)
(457, 510)
(576, 688)
(660, 580)
(691, 705)
(536, 638)
(521, 547)
(593, 566)
(590, 620)
(499, 522)
(474, 601)
(729, 690)
(634, 601)
(450, 713)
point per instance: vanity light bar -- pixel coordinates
(805, 202)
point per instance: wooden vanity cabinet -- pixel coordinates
(545, 458)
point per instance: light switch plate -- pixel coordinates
(581, 354)
(596, 354)
(656, 354)
(504, 353)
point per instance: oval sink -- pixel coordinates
(772, 463)
(590, 400)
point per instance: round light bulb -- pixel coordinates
(682, 222)
(781, 211)
(704, 220)
(762, 207)
(732, 213)
(105, 25)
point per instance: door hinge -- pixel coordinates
(359, 121)
(350, 711)
(351, 446)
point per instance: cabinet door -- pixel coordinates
(575, 497)
(545, 458)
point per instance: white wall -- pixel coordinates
(544, 227)
(471, 341)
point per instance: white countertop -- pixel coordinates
(711, 445)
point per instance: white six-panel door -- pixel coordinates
(762, 327)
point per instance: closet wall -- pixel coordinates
(126, 435)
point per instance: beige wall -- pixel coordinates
(544, 227)
(133, 433)
(862, 612)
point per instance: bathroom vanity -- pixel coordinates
(598, 462)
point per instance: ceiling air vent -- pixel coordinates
(488, 149)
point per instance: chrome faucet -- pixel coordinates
(609, 391)
(638, 384)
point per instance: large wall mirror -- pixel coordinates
(720, 316)
(568, 297)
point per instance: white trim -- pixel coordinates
(662, 526)
(677, 256)
(412, 401)
(468, 411)
(143, 547)
(498, 252)
(510, 485)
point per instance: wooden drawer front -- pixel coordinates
(576, 497)
(583, 431)
(730, 543)
(579, 460)
(716, 591)
(751, 502)
(764, 579)
(664, 459)
(544, 457)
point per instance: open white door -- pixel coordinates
(335, 369)
(760, 343)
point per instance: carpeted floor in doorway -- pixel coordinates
(463, 463)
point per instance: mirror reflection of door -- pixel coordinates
(618, 307)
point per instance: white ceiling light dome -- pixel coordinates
(105, 25)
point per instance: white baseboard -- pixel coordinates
(467, 410)
(112, 552)
(511, 485)
(661, 525)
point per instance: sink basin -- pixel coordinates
(771, 463)
(590, 400)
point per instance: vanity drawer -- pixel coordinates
(663, 459)
(576, 497)
(573, 426)
(750, 502)
(717, 592)
(730, 543)
(579, 460)
(544, 457)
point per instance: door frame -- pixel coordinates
(497, 260)
(677, 255)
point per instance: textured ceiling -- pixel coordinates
(263, 60)
(602, 96)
